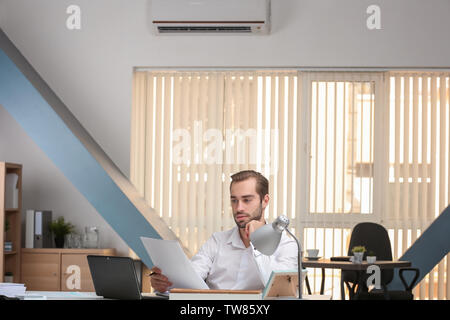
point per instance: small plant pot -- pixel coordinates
(371, 259)
(59, 242)
(9, 278)
(358, 257)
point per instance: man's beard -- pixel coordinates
(242, 225)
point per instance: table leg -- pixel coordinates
(322, 285)
(342, 288)
(307, 285)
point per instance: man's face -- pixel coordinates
(245, 202)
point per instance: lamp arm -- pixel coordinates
(299, 256)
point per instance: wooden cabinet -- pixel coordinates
(70, 264)
(41, 272)
(10, 221)
(59, 269)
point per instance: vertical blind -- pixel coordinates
(192, 130)
(418, 187)
(334, 146)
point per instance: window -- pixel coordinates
(337, 147)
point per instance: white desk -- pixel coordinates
(62, 295)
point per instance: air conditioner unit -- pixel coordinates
(210, 16)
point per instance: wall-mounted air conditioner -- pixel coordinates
(210, 16)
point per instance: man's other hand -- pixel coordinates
(158, 281)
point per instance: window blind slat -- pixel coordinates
(220, 185)
(253, 113)
(166, 165)
(201, 191)
(230, 157)
(158, 145)
(406, 144)
(273, 147)
(424, 157)
(290, 146)
(149, 143)
(176, 176)
(397, 155)
(432, 194)
(184, 203)
(192, 214)
(415, 154)
(280, 174)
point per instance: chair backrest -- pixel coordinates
(375, 238)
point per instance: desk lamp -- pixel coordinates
(267, 238)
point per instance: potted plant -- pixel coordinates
(371, 257)
(60, 229)
(358, 253)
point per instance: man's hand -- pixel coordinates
(158, 281)
(252, 226)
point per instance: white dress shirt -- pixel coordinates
(225, 263)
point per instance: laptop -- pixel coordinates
(116, 278)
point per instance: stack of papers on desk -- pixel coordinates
(12, 290)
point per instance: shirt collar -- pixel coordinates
(235, 239)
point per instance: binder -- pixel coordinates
(37, 232)
(11, 191)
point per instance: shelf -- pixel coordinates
(10, 165)
(12, 210)
(10, 260)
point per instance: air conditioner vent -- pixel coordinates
(204, 29)
(245, 17)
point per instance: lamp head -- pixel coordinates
(267, 238)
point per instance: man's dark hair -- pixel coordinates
(262, 184)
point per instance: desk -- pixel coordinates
(350, 266)
(61, 295)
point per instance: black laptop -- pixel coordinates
(116, 278)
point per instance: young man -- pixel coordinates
(228, 260)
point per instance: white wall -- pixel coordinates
(46, 188)
(91, 69)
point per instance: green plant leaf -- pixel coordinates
(60, 228)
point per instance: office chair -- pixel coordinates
(375, 238)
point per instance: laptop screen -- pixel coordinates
(114, 277)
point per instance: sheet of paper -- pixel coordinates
(170, 258)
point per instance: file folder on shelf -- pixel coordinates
(37, 230)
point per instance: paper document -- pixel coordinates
(11, 289)
(168, 256)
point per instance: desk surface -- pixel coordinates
(347, 265)
(61, 295)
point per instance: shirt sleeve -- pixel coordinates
(202, 262)
(284, 258)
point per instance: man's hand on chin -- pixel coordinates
(252, 226)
